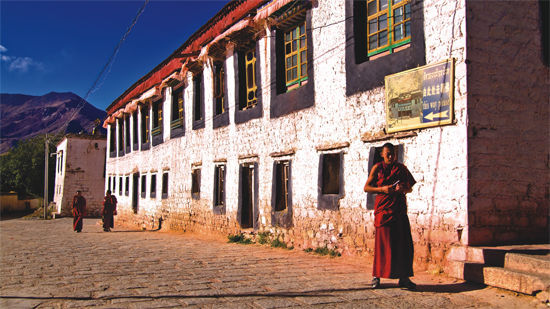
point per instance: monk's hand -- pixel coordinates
(387, 189)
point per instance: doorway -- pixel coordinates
(247, 212)
(135, 187)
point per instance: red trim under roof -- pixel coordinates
(230, 14)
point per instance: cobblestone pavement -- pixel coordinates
(44, 264)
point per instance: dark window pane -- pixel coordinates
(398, 32)
(383, 38)
(250, 76)
(373, 43)
(383, 4)
(383, 21)
(372, 9)
(331, 174)
(407, 29)
(303, 57)
(373, 25)
(398, 15)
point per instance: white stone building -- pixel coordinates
(80, 165)
(268, 118)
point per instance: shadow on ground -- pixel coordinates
(434, 288)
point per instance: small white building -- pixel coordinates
(80, 165)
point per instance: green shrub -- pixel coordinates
(276, 243)
(239, 239)
(324, 251)
(263, 237)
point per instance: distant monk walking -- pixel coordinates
(79, 211)
(109, 209)
(393, 246)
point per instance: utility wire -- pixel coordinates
(106, 68)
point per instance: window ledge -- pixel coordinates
(288, 152)
(332, 146)
(382, 136)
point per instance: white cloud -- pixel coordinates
(3, 49)
(24, 64)
(6, 58)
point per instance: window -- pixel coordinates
(144, 125)
(143, 185)
(157, 118)
(219, 89)
(127, 187)
(135, 130)
(120, 130)
(281, 197)
(384, 37)
(109, 183)
(177, 108)
(292, 86)
(120, 186)
(282, 179)
(331, 171)
(219, 186)
(248, 90)
(127, 133)
(112, 140)
(60, 162)
(196, 183)
(295, 56)
(249, 85)
(331, 181)
(113, 189)
(153, 192)
(165, 185)
(198, 104)
(388, 25)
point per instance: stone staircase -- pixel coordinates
(520, 268)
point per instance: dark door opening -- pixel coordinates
(135, 192)
(247, 195)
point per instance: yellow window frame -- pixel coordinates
(219, 86)
(295, 47)
(389, 11)
(250, 72)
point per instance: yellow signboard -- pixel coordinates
(421, 97)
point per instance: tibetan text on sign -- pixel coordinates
(421, 97)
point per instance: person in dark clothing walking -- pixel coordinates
(108, 211)
(79, 211)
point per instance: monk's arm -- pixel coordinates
(369, 185)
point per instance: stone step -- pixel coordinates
(539, 264)
(515, 280)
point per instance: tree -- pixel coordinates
(22, 168)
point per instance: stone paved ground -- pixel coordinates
(46, 265)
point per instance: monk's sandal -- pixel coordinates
(375, 284)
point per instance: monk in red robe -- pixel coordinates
(393, 246)
(108, 211)
(79, 211)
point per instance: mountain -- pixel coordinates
(23, 116)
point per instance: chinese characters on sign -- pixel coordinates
(421, 97)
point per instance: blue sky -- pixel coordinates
(62, 46)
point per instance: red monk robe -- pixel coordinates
(393, 242)
(109, 209)
(79, 211)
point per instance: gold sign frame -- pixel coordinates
(421, 97)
